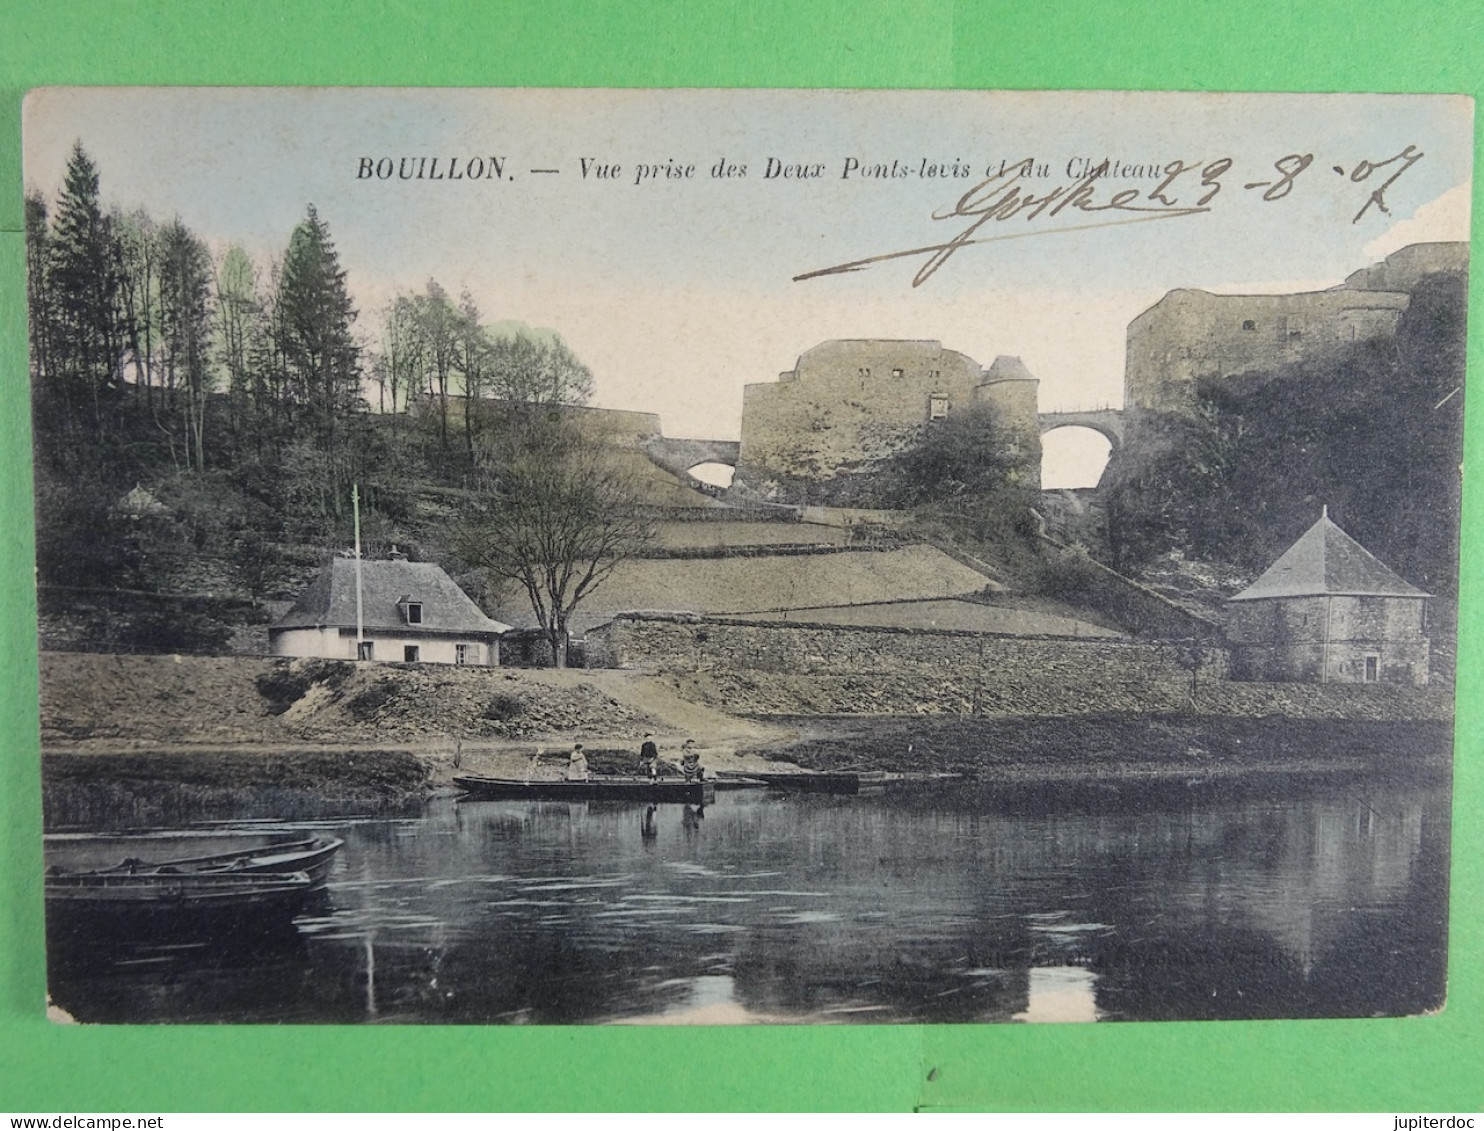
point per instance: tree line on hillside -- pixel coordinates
(243, 391)
(223, 356)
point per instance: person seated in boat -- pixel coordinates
(690, 762)
(649, 758)
(577, 765)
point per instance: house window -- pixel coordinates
(937, 407)
(1372, 669)
(465, 654)
(1249, 324)
(414, 612)
(410, 653)
(366, 650)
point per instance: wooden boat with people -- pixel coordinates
(191, 853)
(600, 787)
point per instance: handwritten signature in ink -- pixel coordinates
(1005, 195)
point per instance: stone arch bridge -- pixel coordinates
(1108, 422)
(679, 456)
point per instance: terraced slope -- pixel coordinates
(761, 584)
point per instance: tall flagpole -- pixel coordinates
(355, 503)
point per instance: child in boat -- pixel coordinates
(690, 761)
(577, 765)
(649, 758)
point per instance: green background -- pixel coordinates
(1429, 1063)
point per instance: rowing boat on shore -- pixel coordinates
(601, 788)
(191, 853)
(96, 907)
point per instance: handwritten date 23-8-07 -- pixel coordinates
(1188, 188)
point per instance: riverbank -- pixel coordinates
(166, 788)
(1124, 746)
(157, 740)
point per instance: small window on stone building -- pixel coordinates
(1249, 324)
(1295, 325)
(937, 407)
(863, 372)
(897, 372)
(1372, 669)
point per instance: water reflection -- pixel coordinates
(1072, 903)
(1060, 993)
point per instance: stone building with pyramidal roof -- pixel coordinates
(1327, 611)
(411, 612)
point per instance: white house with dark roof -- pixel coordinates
(1327, 611)
(411, 612)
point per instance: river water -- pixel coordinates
(1269, 898)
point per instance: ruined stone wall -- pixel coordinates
(846, 406)
(1190, 335)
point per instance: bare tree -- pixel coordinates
(438, 331)
(560, 517)
(399, 369)
(237, 310)
(473, 363)
(523, 370)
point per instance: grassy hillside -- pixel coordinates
(758, 584)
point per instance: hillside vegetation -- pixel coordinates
(1375, 434)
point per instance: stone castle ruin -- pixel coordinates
(847, 406)
(1193, 335)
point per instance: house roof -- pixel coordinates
(1327, 561)
(386, 587)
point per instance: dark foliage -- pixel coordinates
(286, 685)
(364, 704)
(282, 687)
(503, 708)
(1376, 435)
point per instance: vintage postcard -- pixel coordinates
(593, 556)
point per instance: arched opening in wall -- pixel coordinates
(716, 474)
(1073, 456)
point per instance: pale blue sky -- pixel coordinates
(678, 293)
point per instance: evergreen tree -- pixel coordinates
(84, 275)
(315, 314)
(39, 300)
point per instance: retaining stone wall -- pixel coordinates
(703, 644)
